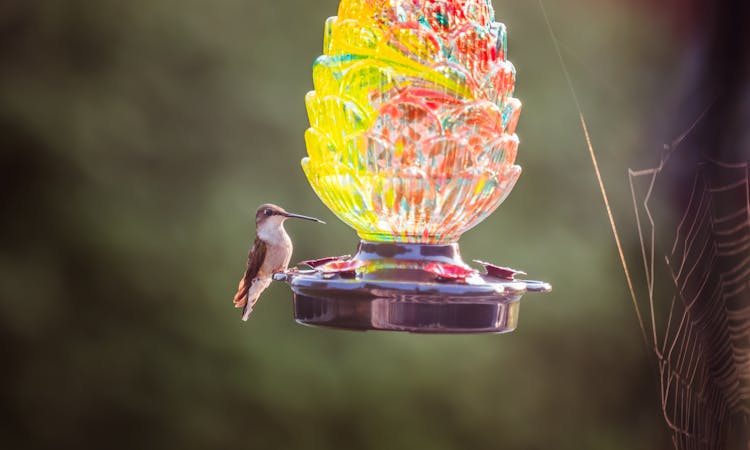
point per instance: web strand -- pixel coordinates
(594, 161)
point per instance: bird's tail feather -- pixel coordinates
(254, 289)
(248, 309)
(240, 298)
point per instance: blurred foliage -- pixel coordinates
(137, 139)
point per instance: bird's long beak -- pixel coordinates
(299, 216)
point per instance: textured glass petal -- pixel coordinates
(476, 120)
(499, 152)
(350, 37)
(361, 9)
(473, 47)
(416, 43)
(405, 123)
(511, 114)
(500, 34)
(334, 116)
(443, 157)
(366, 80)
(499, 82)
(455, 79)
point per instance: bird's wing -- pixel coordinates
(254, 260)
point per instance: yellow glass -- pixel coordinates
(412, 124)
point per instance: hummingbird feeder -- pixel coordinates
(411, 143)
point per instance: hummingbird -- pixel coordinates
(269, 254)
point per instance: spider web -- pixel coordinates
(699, 319)
(699, 327)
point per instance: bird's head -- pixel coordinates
(272, 216)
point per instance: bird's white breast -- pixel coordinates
(278, 246)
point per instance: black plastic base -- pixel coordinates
(395, 288)
(398, 312)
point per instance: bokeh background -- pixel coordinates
(137, 138)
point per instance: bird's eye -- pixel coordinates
(268, 212)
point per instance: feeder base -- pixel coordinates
(394, 287)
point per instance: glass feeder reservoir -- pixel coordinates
(411, 143)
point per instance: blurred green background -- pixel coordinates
(138, 138)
